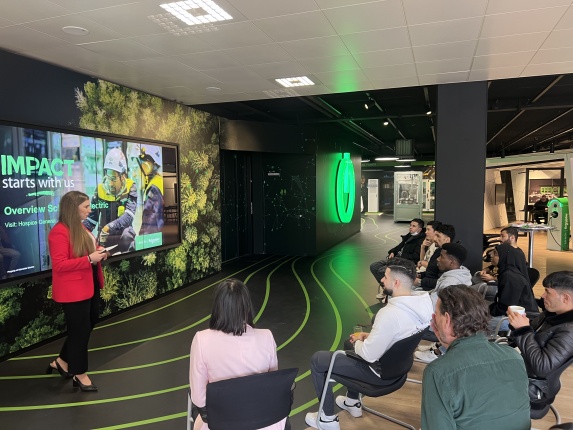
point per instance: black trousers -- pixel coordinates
(81, 317)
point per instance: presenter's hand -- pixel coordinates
(391, 255)
(98, 256)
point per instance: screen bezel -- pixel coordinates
(109, 136)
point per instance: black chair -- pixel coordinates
(546, 395)
(396, 363)
(533, 275)
(250, 402)
(563, 426)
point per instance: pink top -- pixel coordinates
(216, 356)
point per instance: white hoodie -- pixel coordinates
(402, 317)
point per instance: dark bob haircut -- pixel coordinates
(232, 308)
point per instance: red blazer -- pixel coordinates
(72, 277)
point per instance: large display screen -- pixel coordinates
(132, 186)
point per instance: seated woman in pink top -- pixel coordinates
(231, 347)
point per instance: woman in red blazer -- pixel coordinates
(77, 278)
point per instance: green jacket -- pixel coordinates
(476, 385)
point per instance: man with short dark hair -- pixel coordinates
(509, 235)
(547, 343)
(403, 316)
(477, 384)
(445, 233)
(409, 249)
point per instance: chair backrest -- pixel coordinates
(540, 407)
(250, 402)
(533, 275)
(398, 360)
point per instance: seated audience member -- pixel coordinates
(402, 317)
(453, 273)
(488, 276)
(540, 210)
(409, 249)
(509, 235)
(428, 246)
(513, 287)
(547, 342)
(230, 348)
(445, 233)
(476, 384)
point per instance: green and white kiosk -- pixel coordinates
(558, 214)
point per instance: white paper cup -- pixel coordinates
(518, 309)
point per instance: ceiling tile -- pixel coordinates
(443, 78)
(548, 69)
(445, 51)
(175, 72)
(295, 27)
(445, 32)
(5, 23)
(255, 85)
(320, 47)
(557, 55)
(208, 60)
(279, 70)
(260, 54)
(515, 43)
(509, 6)
(368, 16)
(53, 27)
(377, 40)
(329, 64)
(502, 60)
(235, 35)
(121, 49)
(169, 44)
(559, 39)
(328, 4)
(566, 21)
(84, 5)
(265, 9)
(19, 38)
(405, 81)
(444, 66)
(341, 77)
(30, 10)
(391, 72)
(348, 87)
(423, 11)
(499, 73)
(233, 74)
(389, 57)
(531, 21)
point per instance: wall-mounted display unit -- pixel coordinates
(407, 195)
(131, 185)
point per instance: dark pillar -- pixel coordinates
(460, 163)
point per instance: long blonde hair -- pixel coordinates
(82, 243)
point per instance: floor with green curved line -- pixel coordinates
(140, 359)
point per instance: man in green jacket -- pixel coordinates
(476, 384)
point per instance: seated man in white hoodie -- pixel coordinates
(450, 263)
(403, 316)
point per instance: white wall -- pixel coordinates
(495, 216)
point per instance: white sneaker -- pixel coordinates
(311, 418)
(354, 409)
(425, 356)
(426, 347)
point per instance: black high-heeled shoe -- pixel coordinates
(61, 371)
(77, 383)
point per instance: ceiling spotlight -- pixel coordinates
(534, 147)
(428, 112)
(386, 158)
(75, 31)
(369, 104)
(386, 122)
(552, 147)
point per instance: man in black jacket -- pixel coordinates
(409, 249)
(547, 343)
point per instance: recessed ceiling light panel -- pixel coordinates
(196, 12)
(300, 81)
(75, 31)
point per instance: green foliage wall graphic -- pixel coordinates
(111, 108)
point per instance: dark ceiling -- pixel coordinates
(524, 115)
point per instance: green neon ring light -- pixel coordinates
(345, 189)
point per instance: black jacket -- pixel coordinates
(546, 344)
(410, 246)
(432, 274)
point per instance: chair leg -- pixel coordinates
(556, 413)
(386, 417)
(327, 381)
